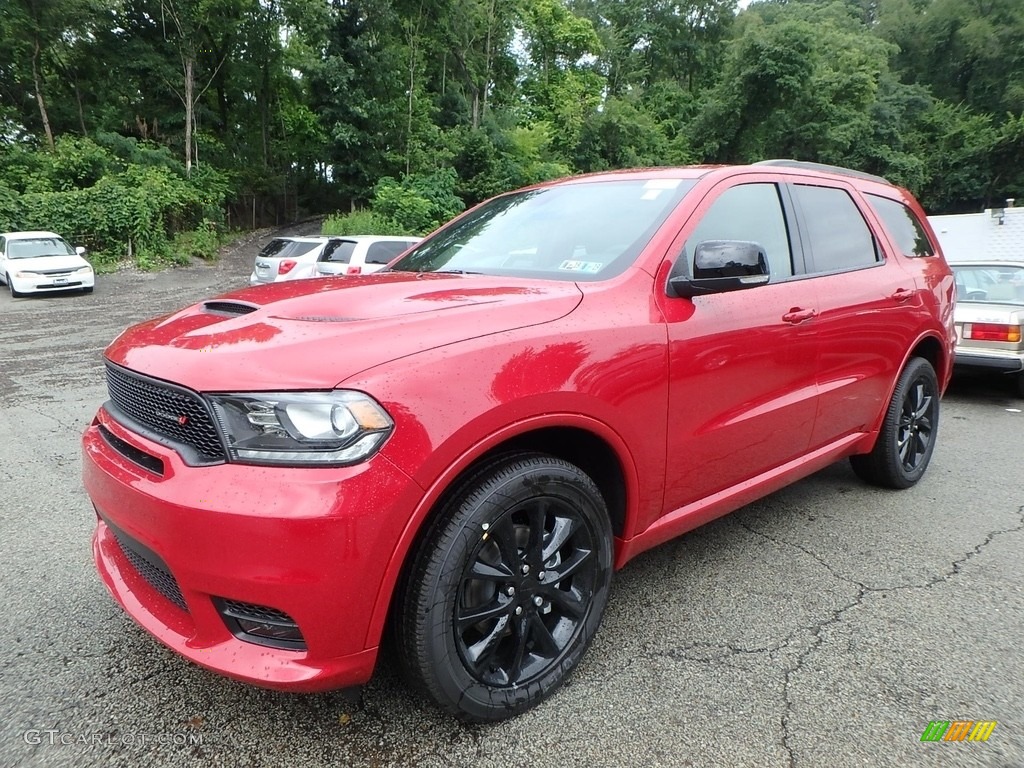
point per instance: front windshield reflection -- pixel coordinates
(579, 231)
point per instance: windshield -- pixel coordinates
(990, 284)
(581, 231)
(38, 246)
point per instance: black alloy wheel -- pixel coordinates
(907, 437)
(508, 588)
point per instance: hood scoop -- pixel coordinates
(228, 308)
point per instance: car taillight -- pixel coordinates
(285, 266)
(354, 271)
(991, 332)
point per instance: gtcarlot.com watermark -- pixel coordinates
(55, 737)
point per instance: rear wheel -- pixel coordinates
(907, 438)
(507, 589)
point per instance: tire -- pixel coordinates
(1020, 384)
(907, 438)
(14, 294)
(507, 589)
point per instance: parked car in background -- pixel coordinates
(360, 254)
(286, 258)
(42, 262)
(989, 317)
(463, 448)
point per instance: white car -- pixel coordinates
(286, 258)
(360, 254)
(41, 262)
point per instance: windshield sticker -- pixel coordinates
(581, 266)
(651, 194)
(662, 184)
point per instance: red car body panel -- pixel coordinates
(789, 377)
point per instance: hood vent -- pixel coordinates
(229, 308)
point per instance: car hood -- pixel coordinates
(314, 334)
(47, 263)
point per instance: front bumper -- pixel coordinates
(45, 284)
(311, 543)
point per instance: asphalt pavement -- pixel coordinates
(825, 625)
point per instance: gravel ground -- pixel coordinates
(825, 625)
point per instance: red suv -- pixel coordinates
(463, 447)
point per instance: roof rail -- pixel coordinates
(826, 168)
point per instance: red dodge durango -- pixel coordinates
(462, 448)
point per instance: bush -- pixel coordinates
(202, 243)
(361, 223)
(102, 198)
(419, 203)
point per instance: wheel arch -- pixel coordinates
(591, 446)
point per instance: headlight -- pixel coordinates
(83, 270)
(302, 428)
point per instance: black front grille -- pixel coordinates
(173, 412)
(150, 567)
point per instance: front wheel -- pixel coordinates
(507, 589)
(14, 294)
(907, 437)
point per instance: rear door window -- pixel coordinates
(905, 228)
(835, 231)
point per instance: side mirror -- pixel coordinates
(80, 250)
(720, 266)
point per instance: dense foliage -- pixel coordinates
(126, 122)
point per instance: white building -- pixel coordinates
(998, 233)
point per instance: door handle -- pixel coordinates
(797, 315)
(902, 294)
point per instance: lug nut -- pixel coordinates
(510, 591)
(519, 610)
(541, 575)
(525, 569)
(538, 601)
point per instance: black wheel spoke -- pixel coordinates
(481, 652)
(566, 602)
(504, 537)
(469, 617)
(544, 642)
(567, 568)
(520, 627)
(537, 518)
(483, 570)
(563, 530)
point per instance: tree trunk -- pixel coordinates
(38, 81)
(189, 111)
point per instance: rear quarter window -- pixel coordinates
(904, 227)
(338, 251)
(385, 252)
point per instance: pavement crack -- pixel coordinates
(837, 614)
